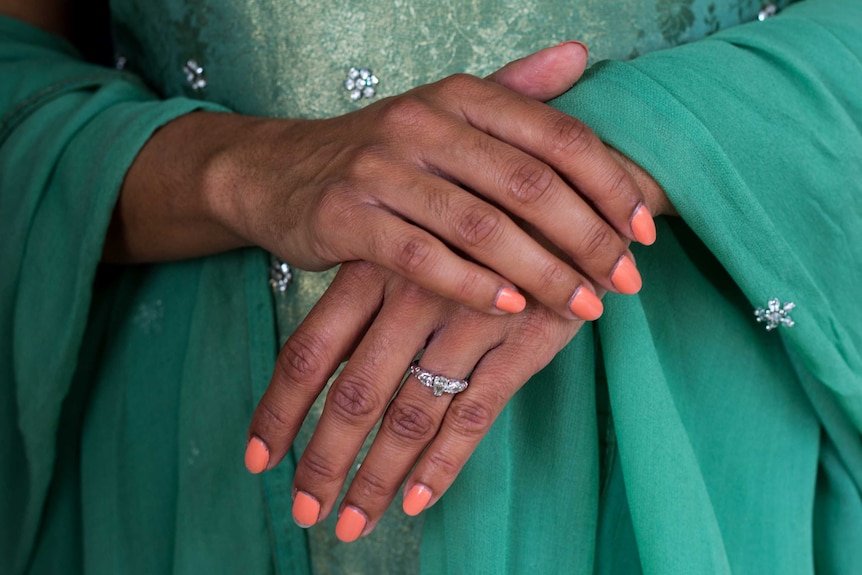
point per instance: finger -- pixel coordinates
(489, 236)
(544, 74)
(357, 399)
(308, 359)
(421, 258)
(497, 377)
(533, 191)
(410, 423)
(562, 142)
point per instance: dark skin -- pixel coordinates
(293, 188)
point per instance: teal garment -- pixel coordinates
(733, 444)
(729, 448)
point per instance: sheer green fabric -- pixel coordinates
(126, 393)
(733, 444)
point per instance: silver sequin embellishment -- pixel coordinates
(361, 83)
(279, 275)
(768, 10)
(195, 75)
(775, 314)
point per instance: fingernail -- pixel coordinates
(256, 455)
(510, 301)
(586, 305)
(350, 524)
(416, 500)
(306, 509)
(581, 44)
(643, 226)
(625, 276)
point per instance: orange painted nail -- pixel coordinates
(625, 276)
(350, 524)
(306, 509)
(416, 500)
(510, 301)
(256, 455)
(586, 305)
(643, 226)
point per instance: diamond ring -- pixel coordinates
(437, 383)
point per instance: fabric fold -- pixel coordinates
(77, 128)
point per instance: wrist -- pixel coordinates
(167, 208)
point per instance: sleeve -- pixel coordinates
(69, 130)
(755, 134)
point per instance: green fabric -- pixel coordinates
(126, 393)
(277, 58)
(69, 132)
(734, 444)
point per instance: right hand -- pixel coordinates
(396, 184)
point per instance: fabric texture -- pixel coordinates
(727, 436)
(126, 392)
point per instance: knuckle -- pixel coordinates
(409, 424)
(302, 359)
(359, 273)
(532, 340)
(369, 486)
(470, 419)
(412, 254)
(458, 83)
(351, 398)
(569, 136)
(315, 469)
(530, 181)
(550, 275)
(368, 161)
(270, 416)
(598, 241)
(479, 226)
(617, 186)
(412, 296)
(442, 465)
(331, 206)
(405, 111)
(468, 286)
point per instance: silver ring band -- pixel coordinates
(437, 383)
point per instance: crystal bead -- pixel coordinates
(768, 10)
(195, 75)
(360, 83)
(280, 275)
(775, 314)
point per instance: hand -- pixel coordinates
(391, 321)
(412, 183)
(501, 352)
(384, 183)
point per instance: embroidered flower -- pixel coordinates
(280, 275)
(195, 75)
(675, 17)
(775, 314)
(361, 83)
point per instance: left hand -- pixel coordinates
(394, 319)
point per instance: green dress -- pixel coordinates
(675, 435)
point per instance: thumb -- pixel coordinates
(544, 74)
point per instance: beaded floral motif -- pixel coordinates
(767, 11)
(280, 275)
(675, 17)
(195, 75)
(361, 83)
(775, 314)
